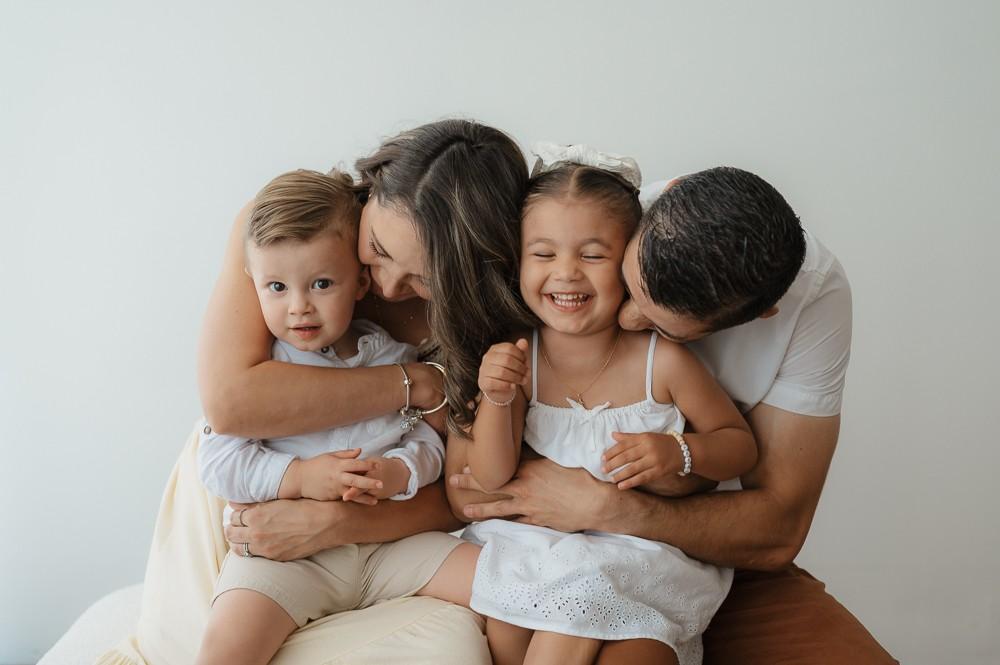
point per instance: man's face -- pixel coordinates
(641, 313)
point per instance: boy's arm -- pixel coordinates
(423, 454)
(239, 469)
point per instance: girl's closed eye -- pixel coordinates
(276, 287)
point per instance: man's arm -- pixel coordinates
(762, 527)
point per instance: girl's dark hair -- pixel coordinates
(608, 189)
(463, 185)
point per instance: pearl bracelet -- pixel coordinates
(685, 451)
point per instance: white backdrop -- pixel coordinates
(131, 133)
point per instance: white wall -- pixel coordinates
(131, 133)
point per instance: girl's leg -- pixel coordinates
(244, 627)
(637, 652)
(548, 647)
(453, 580)
(508, 643)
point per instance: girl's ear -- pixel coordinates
(364, 281)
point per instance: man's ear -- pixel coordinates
(769, 312)
(364, 282)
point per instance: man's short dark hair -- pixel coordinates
(721, 245)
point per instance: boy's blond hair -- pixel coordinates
(300, 205)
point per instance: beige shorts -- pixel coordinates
(349, 577)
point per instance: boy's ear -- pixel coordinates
(364, 282)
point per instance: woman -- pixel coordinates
(440, 233)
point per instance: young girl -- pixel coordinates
(571, 392)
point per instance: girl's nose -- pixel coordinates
(568, 269)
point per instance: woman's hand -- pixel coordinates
(545, 494)
(427, 392)
(284, 530)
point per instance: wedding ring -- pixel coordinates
(239, 516)
(246, 549)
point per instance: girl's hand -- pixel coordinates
(504, 368)
(644, 457)
(328, 477)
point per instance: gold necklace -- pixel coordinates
(579, 393)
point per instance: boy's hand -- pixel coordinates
(645, 456)
(394, 475)
(504, 368)
(329, 476)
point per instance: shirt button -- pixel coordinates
(207, 430)
(325, 349)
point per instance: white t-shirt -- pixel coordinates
(797, 359)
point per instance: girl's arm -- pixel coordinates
(720, 442)
(495, 448)
(244, 392)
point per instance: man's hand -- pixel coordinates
(642, 458)
(394, 475)
(545, 494)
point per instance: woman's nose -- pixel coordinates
(392, 285)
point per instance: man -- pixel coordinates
(721, 262)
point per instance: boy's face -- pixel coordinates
(307, 290)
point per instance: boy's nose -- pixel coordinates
(299, 304)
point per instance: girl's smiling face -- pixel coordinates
(571, 257)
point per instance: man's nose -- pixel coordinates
(630, 318)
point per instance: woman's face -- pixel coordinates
(388, 244)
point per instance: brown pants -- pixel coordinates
(787, 618)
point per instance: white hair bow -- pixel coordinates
(550, 155)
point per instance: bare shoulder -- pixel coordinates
(672, 364)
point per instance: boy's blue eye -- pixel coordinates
(276, 287)
(322, 284)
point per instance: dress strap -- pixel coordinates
(534, 364)
(649, 364)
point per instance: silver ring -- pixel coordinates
(246, 549)
(239, 516)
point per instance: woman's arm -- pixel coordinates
(293, 529)
(245, 393)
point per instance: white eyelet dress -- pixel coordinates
(594, 584)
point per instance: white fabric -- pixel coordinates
(797, 359)
(594, 584)
(96, 630)
(250, 470)
(551, 155)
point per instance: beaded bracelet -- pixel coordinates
(685, 451)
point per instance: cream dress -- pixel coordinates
(593, 584)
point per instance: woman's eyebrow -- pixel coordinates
(377, 244)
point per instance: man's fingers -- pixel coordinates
(465, 481)
(502, 508)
